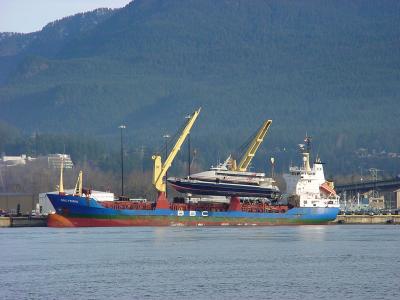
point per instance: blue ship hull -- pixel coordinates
(75, 211)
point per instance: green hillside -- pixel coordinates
(47, 42)
(327, 68)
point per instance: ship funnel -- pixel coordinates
(306, 162)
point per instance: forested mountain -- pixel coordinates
(47, 42)
(328, 68)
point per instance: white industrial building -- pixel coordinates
(52, 160)
(10, 161)
(55, 161)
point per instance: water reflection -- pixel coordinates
(312, 233)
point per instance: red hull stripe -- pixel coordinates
(56, 220)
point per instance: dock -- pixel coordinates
(23, 221)
(367, 219)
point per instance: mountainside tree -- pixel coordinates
(327, 68)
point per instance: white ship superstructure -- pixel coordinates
(309, 183)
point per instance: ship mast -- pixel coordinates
(78, 185)
(61, 184)
(161, 169)
(306, 150)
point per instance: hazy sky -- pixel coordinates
(32, 15)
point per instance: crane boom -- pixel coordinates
(161, 169)
(255, 143)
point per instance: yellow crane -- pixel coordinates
(78, 185)
(252, 149)
(161, 169)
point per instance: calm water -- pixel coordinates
(304, 262)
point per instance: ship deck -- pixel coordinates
(211, 207)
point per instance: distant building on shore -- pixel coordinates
(51, 160)
(55, 160)
(10, 161)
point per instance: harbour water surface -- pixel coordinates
(299, 262)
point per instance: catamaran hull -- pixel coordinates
(74, 211)
(196, 187)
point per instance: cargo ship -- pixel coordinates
(80, 209)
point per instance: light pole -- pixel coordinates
(188, 117)
(272, 167)
(166, 137)
(122, 160)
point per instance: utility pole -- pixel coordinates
(272, 167)
(142, 157)
(188, 117)
(166, 137)
(1, 179)
(122, 127)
